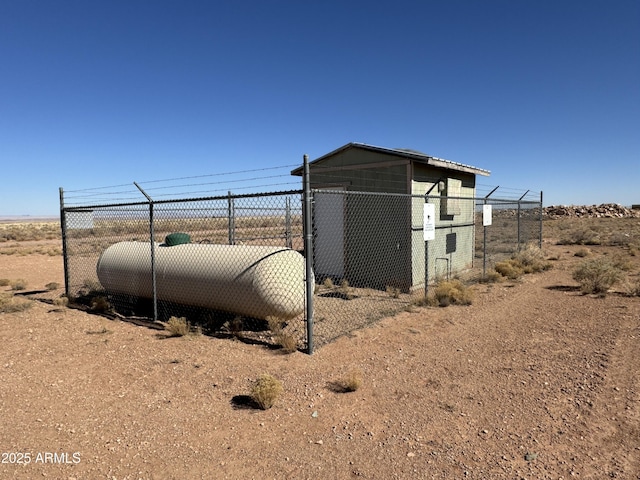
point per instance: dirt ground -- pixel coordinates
(534, 380)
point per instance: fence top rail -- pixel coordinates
(181, 200)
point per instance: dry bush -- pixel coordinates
(275, 324)
(528, 260)
(265, 391)
(61, 301)
(582, 252)
(492, 277)
(22, 251)
(328, 283)
(178, 326)
(12, 304)
(4, 282)
(509, 268)
(621, 239)
(597, 275)
(100, 304)
(580, 236)
(18, 284)
(346, 290)
(634, 288)
(532, 260)
(21, 232)
(393, 292)
(351, 382)
(621, 262)
(52, 286)
(451, 292)
(287, 341)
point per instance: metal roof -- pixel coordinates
(412, 155)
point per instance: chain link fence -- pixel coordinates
(236, 265)
(514, 225)
(376, 254)
(231, 265)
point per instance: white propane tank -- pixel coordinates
(249, 280)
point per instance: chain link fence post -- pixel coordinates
(152, 246)
(65, 256)
(308, 252)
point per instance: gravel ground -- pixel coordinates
(532, 381)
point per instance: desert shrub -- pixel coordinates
(100, 304)
(621, 262)
(178, 326)
(19, 284)
(452, 292)
(52, 286)
(346, 290)
(287, 341)
(509, 268)
(393, 292)
(11, 304)
(528, 260)
(265, 391)
(597, 275)
(61, 301)
(532, 260)
(275, 324)
(620, 239)
(4, 282)
(580, 236)
(582, 252)
(351, 382)
(634, 289)
(328, 283)
(491, 277)
(30, 231)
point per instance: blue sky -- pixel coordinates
(544, 93)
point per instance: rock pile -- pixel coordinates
(605, 210)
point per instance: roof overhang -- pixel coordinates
(410, 155)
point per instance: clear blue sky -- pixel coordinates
(544, 93)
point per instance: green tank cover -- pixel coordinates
(177, 239)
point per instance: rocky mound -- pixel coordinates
(605, 210)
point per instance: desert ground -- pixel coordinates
(534, 380)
